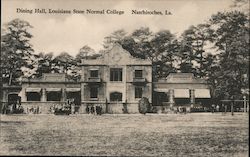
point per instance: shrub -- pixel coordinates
(144, 105)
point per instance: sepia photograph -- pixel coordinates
(124, 78)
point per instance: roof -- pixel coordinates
(49, 77)
(117, 56)
(182, 78)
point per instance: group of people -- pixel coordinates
(96, 110)
(181, 110)
(13, 108)
(217, 108)
(33, 110)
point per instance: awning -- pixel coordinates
(53, 89)
(202, 93)
(73, 89)
(181, 93)
(161, 90)
(33, 89)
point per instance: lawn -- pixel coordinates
(195, 134)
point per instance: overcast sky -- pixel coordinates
(69, 32)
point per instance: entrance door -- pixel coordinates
(13, 100)
(115, 97)
(76, 97)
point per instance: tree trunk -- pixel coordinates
(10, 78)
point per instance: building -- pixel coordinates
(9, 94)
(181, 89)
(116, 81)
(47, 91)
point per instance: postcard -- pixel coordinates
(124, 78)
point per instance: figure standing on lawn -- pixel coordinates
(217, 108)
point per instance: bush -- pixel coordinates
(144, 105)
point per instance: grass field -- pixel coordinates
(196, 134)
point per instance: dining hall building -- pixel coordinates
(116, 81)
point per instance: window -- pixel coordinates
(93, 92)
(115, 96)
(138, 73)
(116, 74)
(33, 96)
(94, 73)
(138, 92)
(54, 96)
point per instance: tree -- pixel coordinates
(85, 52)
(193, 56)
(44, 63)
(16, 49)
(231, 38)
(62, 62)
(165, 48)
(186, 54)
(143, 46)
(116, 36)
(65, 63)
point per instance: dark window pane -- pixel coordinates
(116, 96)
(138, 92)
(33, 96)
(138, 73)
(94, 73)
(115, 74)
(54, 96)
(94, 92)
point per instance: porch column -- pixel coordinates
(44, 96)
(171, 97)
(83, 105)
(192, 97)
(23, 96)
(63, 95)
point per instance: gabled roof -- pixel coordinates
(117, 56)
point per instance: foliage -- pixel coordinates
(85, 52)
(44, 64)
(144, 105)
(231, 38)
(15, 50)
(115, 37)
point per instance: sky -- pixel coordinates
(69, 32)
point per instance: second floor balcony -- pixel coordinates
(139, 80)
(94, 80)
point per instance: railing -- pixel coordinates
(94, 79)
(139, 80)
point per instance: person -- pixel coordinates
(97, 110)
(100, 110)
(184, 110)
(72, 108)
(213, 107)
(4, 109)
(92, 110)
(179, 109)
(217, 108)
(222, 107)
(87, 109)
(37, 110)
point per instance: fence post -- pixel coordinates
(247, 106)
(245, 103)
(232, 108)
